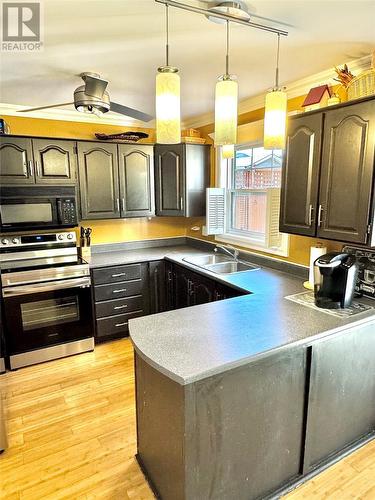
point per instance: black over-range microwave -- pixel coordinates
(35, 207)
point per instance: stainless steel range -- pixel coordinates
(47, 298)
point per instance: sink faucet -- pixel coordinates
(233, 252)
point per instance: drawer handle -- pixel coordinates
(121, 324)
(119, 291)
(120, 307)
(118, 274)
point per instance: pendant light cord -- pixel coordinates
(277, 61)
(167, 33)
(227, 52)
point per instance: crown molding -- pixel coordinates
(72, 116)
(294, 89)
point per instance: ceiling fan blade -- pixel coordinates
(132, 113)
(94, 86)
(45, 107)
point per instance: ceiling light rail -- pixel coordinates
(226, 17)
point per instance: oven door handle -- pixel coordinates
(46, 287)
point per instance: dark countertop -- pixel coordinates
(196, 342)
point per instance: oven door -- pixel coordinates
(28, 213)
(45, 314)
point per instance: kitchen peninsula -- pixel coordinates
(247, 397)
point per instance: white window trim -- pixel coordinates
(223, 176)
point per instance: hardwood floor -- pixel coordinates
(71, 428)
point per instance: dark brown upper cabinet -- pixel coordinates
(55, 161)
(136, 180)
(16, 160)
(37, 161)
(328, 174)
(299, 192)
(98, 180)
(347, 173)
(181, 179)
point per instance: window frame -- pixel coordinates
(225, 177)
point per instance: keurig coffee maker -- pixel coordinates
(335, 276)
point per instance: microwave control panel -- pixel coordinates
(68, 213)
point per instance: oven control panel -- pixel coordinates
(67, 211)
(47, 239)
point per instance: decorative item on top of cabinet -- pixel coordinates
(98, 180)
(181, 178)
(328, 176)
(37, 161)
(137, 180)
(300, 175)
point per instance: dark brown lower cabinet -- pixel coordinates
(157, 287)
(187, 288)
(120, 293)
(341, 404)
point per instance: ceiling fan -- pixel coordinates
(93, 98)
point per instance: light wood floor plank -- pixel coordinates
(71, 426)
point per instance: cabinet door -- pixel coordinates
(98, 180)
(347, 173)
(300, 176)
(136, 180)
(342, 393)
(16, 161)
(157, 287)
(55, 161)
(169, 179)
(183, 288)
(203, 290)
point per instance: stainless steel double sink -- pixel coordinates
(220, 264)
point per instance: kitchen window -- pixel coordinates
(252, 181)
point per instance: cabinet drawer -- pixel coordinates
(115, 324)
(118, 290)
(118, 273)
(119, 306)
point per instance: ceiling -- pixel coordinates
(123, 40)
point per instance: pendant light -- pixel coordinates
(275, 112)
(168, 116)
(226, 99)
(227, 151)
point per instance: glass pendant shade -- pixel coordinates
(228, 151)
(275, 119)
(168, 124)
(226, 101)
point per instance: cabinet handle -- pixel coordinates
(118, 274)
(320, 213)
(119, 291)
(310, 218)
(117, 204)
(123, 204)
(37, 166)
(116, 308)
(117, 325)
(182, 203)
(31, 168)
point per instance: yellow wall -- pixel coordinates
(104, 231)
